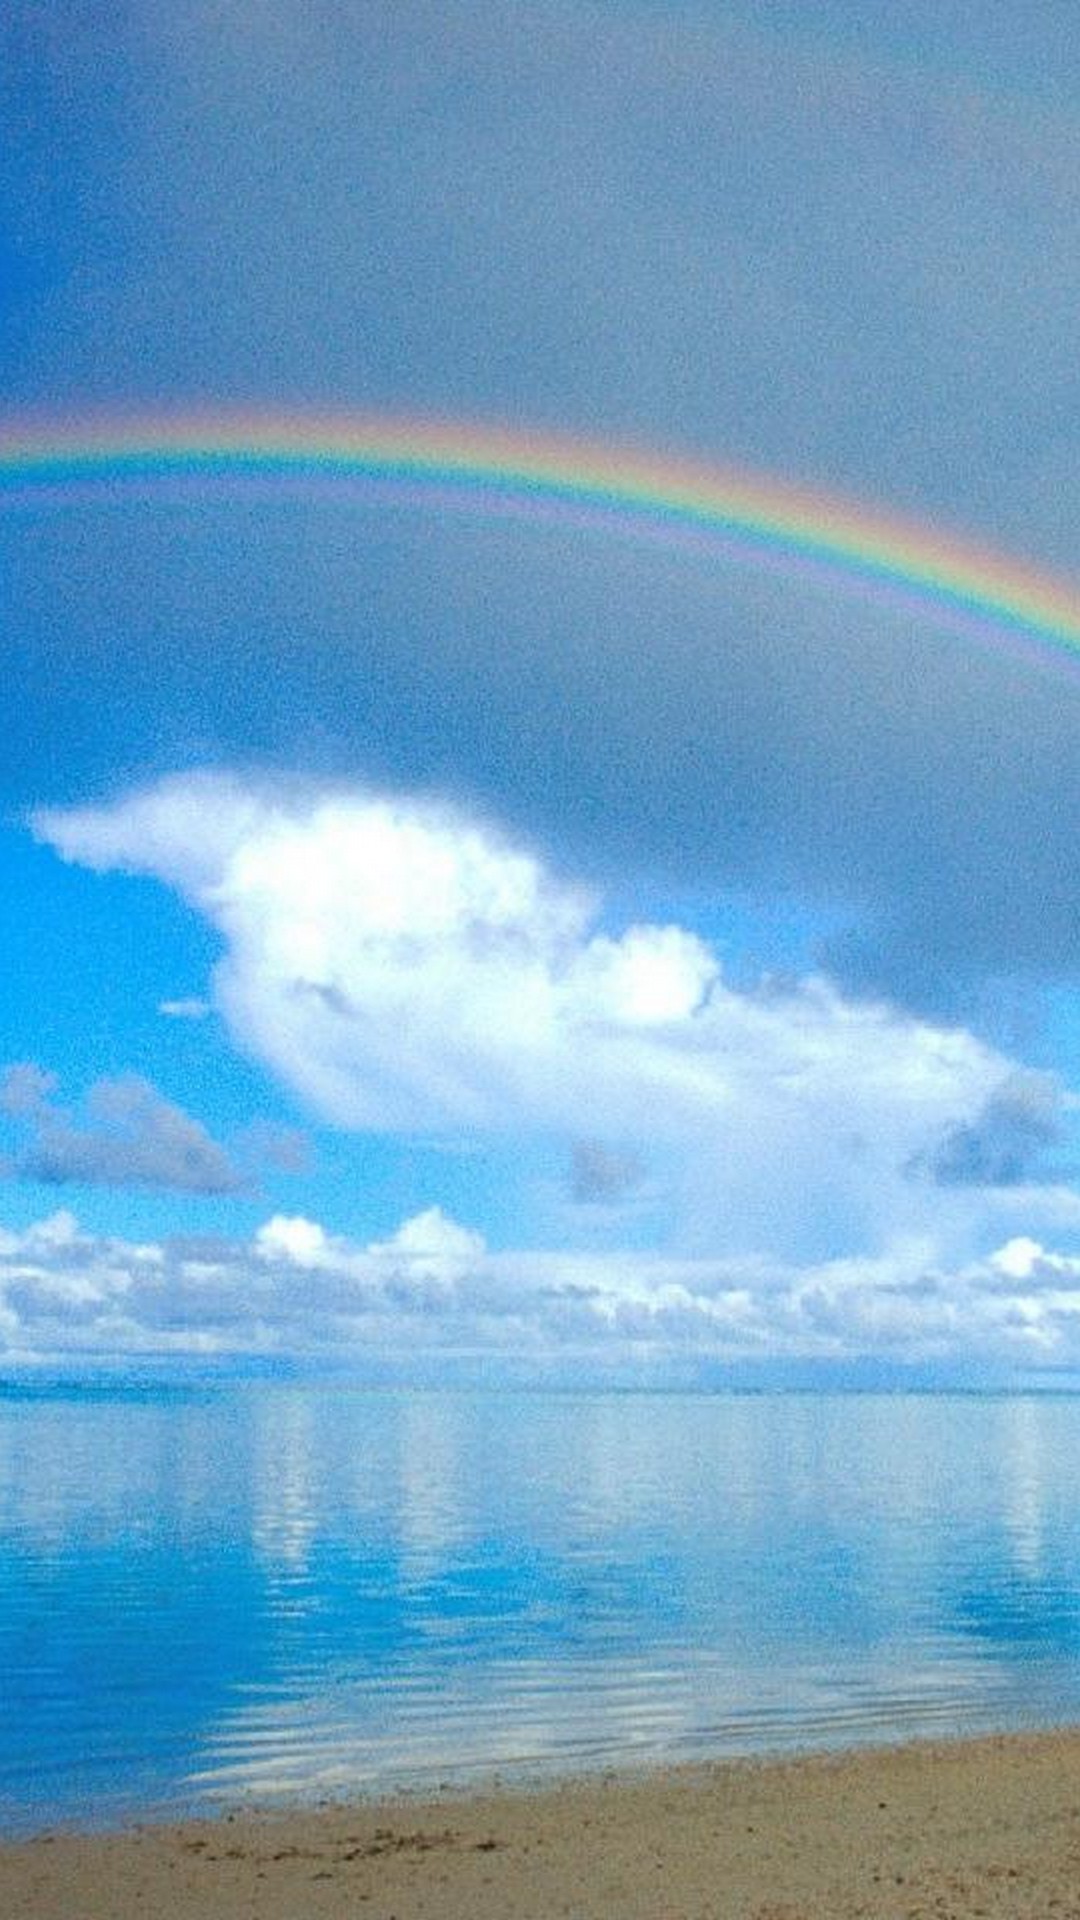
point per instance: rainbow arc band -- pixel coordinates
(489, 470)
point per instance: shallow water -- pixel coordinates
(269, 1590)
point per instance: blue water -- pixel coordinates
(270, 1590)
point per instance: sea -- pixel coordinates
(216, 1594)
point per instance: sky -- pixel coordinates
(445, 945)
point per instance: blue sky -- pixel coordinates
(436, 936)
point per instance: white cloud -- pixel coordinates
(431, 1247)
(295, 1239)
(422, 1262)
(405, 968)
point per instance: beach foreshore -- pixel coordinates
(942, 1832)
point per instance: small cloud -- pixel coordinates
(281, 1149)
(291, 1238)
(431, 1236)
(25, 1089)
(601, 1176)
(996, 1149)
(1018, 1259)
(185, 1009)
(130, 1136)
(427, 1259)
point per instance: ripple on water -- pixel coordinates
(284, 1591)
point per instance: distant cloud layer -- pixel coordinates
(129, 1136)
(434, 1291)
(404, 967)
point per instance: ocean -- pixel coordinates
(217, 1593)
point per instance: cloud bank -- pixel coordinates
(433, 1290)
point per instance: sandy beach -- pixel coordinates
(986, 1827)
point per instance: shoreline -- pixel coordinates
(938, 1830)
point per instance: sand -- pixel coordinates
(987, 1827)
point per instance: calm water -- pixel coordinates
(270, 1590)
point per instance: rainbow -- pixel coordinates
(492, 470)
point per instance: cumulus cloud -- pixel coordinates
(406, 968)
(433, 1290)
(129, 1136)
(422, 1264)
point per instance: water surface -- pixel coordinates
(270, 1590)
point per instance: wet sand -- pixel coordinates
(943, 1832)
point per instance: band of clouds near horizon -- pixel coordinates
(433, 1291)
(492, 469)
